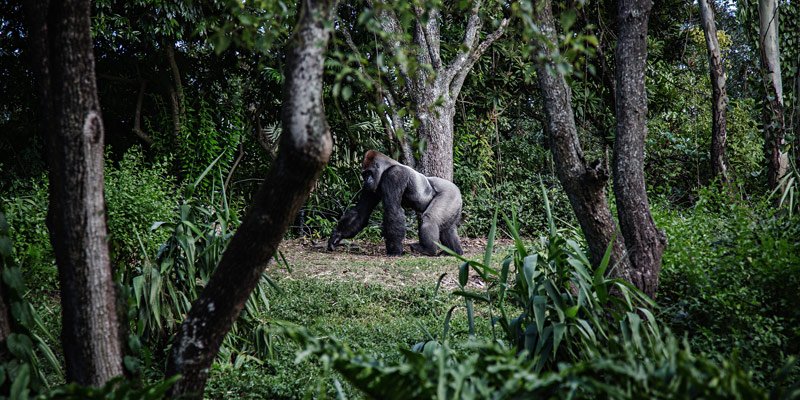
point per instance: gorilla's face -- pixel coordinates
(370, 181)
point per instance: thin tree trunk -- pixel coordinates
(305, 148)
(584, 183)
(774, 127)
(434, 96)
(137, 115)
(719, 98)
(77, 215)
(645, 243)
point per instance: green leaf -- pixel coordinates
(572, 311)
(19, 388)
(347, 92)
(568, 18)
(138, 285)
(471, 295)
(558, 302)
(539, 305)
(529, 264)
(558, 334)
(487, 258)
(20, 346)
(463, 275)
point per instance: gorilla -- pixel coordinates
(399, 186)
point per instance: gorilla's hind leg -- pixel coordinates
(451, 241)
(428, 233)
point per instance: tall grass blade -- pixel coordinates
(487, 258)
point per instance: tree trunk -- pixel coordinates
(774, 127)
(584, 183)
(305, 148)
(645, 243)
(176, 95)
(64, 68)
(436, 130)
(434, 95)
(719, 98)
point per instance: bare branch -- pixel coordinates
(461, 69)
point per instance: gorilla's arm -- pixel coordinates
(355, 219)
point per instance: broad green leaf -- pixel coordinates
(529, 264)
(539, 304)
(20, 346)
(463, 275)
(558, 334)
(572, 311)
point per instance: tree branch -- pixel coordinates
(385, 96)
(137, 115)
(461, 70)
(431, 44)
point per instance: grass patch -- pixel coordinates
(374, 304)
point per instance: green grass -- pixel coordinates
(378, 317)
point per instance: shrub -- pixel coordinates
(730, 280)
(26, 210)
(137, 195)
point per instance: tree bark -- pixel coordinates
(305, 148)
(175, 95)
(583, 182)
(137, 115)
(774, 126)
(433, 95)
(65, 75)
(645, 243)
(719, 97)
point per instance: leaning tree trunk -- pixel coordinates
(583, 182)
(305, 148)
(645, 243)
(719, 98)
(434, 95)
(774, 127)
(63, 63)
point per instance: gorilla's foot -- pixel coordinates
(419, 248)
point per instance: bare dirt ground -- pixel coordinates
(364, 261)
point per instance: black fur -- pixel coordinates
(437, 201)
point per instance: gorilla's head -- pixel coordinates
(372, 169)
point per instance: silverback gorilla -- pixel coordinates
(399, 186)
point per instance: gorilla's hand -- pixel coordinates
(336, 237)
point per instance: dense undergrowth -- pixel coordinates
(725, 325)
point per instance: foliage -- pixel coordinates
(493, 371)
(580, 335)
(117, 389)
(729, 281)
(21, 370)
(137, 194)
(26, 212)
(562, 302)
(509, 184)
(678, 144)
(164, 287)
(788, 191)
